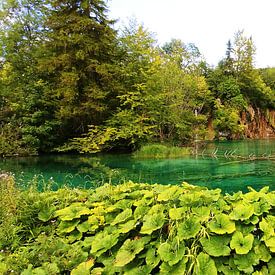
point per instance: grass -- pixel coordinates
(159, 151)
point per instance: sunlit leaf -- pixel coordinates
(83, 227)
(83, 268)
(202, 212)
(205, 265)
(246, 262)
(270, 197)
(102, 242)
(128, 226)
(270, 243)
(221, 224)
(177, 213)
(171, 252)
(252, 220)
(177, 269)
(261, 207)
(129, 249)
(189, 228)
(122, 217)
(152, 258)
(75, 210)
(152, 223)
(97, 271)
(124, 204)
(242, 212)
(262, 252)
(241, 244)
(67, 226)
(141, 211)
(216, 245)
(170, 193)
(267, 228)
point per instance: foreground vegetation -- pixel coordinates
(136, 229)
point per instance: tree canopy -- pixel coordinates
(70, 81)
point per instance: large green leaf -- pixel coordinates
(216, 245)
(270, 243)
(177, 213)
(171, 193)
(242, 212)
(102, 242)
(128, 226)
(271, 198)
(129, 250)
(83, 268)
(267, 227)
(271, 266)
(152, 258)
(205, 265)
(141, 211)
(261, 207)
(122, 217)
(241, 244)
(152, 223)
(189, 228)
(46, 214)
(67, 226)
(75, 210)
(134, 270)
(83, 227)
(203, 213)
(171, 252)
(177, 269)
(246, 262)
(262, 252)
(221, 224)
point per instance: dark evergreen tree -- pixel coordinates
(80, 59)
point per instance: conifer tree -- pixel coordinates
(80, 57)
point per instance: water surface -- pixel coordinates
(230, 166)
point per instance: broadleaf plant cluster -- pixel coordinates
(146, 229)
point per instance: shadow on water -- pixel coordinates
(233, 167)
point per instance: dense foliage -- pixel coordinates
(70, 81)
(136, 229)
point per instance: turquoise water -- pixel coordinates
(226, 165)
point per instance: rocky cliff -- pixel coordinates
(258, 123)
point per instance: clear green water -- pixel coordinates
(220, 171)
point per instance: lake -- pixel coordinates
(229, 165)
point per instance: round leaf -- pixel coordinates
(205, 265)
(152, 223)
(241, 244)
(216, 245)
(189, 228)
(222, 225)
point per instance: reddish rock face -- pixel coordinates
(258, 123)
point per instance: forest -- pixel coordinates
(70, 81)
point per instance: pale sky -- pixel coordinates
(209, 24)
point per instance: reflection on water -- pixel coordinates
(222, 170)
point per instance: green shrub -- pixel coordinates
(146, 229)
(161, 151)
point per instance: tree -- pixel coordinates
(28, 107)
(80, 54)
